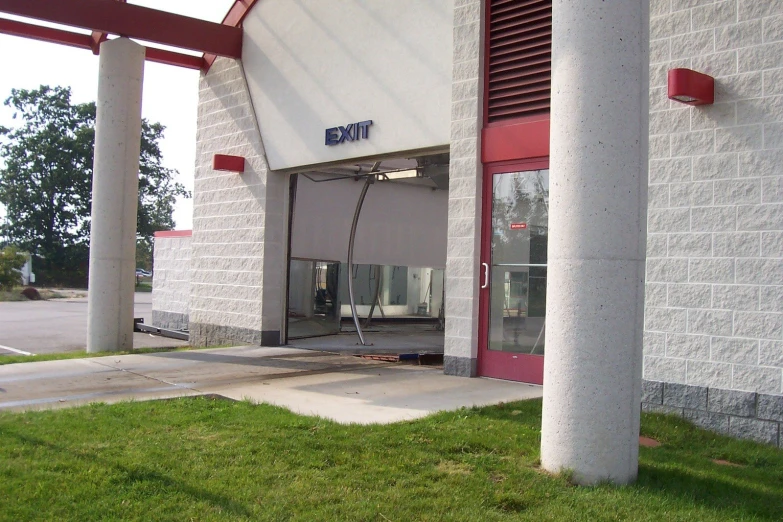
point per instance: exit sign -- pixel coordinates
(518, 226)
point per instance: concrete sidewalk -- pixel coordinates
(339, 387)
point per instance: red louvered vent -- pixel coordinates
(520, 59)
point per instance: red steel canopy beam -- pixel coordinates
(98, 37)
(238, 12)
(84, 41)
(134, 21)
(233, 18)
(45, 34)
(171, 58)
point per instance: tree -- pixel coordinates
(46, 180)
(11, 261)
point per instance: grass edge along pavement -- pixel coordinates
(17, 359)
(211, 459)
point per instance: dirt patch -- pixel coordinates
(450, 467)
(648, 442)
(722, 462)
(31, 293)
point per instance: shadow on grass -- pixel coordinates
(678, 471)
(737, 489)
(140, 474)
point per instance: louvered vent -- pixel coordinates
(520, 59)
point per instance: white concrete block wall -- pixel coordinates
(171, 288)
(714, 310)
(238, 249)
(465, 174)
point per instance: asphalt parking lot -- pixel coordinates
(60, 325)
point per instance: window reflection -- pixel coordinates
(520, 215)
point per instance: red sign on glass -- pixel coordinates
(518, 226)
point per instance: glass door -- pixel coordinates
(514, 265)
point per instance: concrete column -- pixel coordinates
(115, 190)
(597, 223)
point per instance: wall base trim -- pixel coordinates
(202, 334)
(170, 320)
(459, 366)
(739, 414)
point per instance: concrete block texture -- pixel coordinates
(170, 320)
(732, 402)
(709, 421)
(239, 221)
(745, 415)
(597, 242)
(465, 172)
(652, 392)
(171, 289)
(215, 334)
(459, 366)
(769, 407)
(754, 429)
(685, 396)
(722, 168)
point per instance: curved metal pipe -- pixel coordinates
(369, 180)
(376, 297)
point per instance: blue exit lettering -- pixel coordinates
(351, 132)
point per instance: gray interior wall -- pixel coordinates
(400, 224)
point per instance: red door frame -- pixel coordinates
(506, 146)
(502, 365)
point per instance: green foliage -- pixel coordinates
(11, 260)
(46, 182)
(212, 459)
(144, 254)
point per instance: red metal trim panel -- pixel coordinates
(45, 34)
(133, 21)
(691, 87)
(238, 12)
(228, 163)
(512, 367)
(173, 233)
(83, 41)
(492, 363)
(518, 63)
(171, 58)
(99, 37)
(234, 18)
(515, 142)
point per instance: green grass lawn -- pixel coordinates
(212, 459)
(14, 359)
(81, 354)
(143, 287)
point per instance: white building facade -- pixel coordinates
(467, 83)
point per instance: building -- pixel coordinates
(713, 340)
(384, 145)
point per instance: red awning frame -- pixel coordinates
(104, 17)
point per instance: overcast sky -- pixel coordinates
(170, 93)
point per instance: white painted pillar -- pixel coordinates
(597, 224)
(115, 197)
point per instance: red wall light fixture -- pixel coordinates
(228, 163)
(691, 87)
